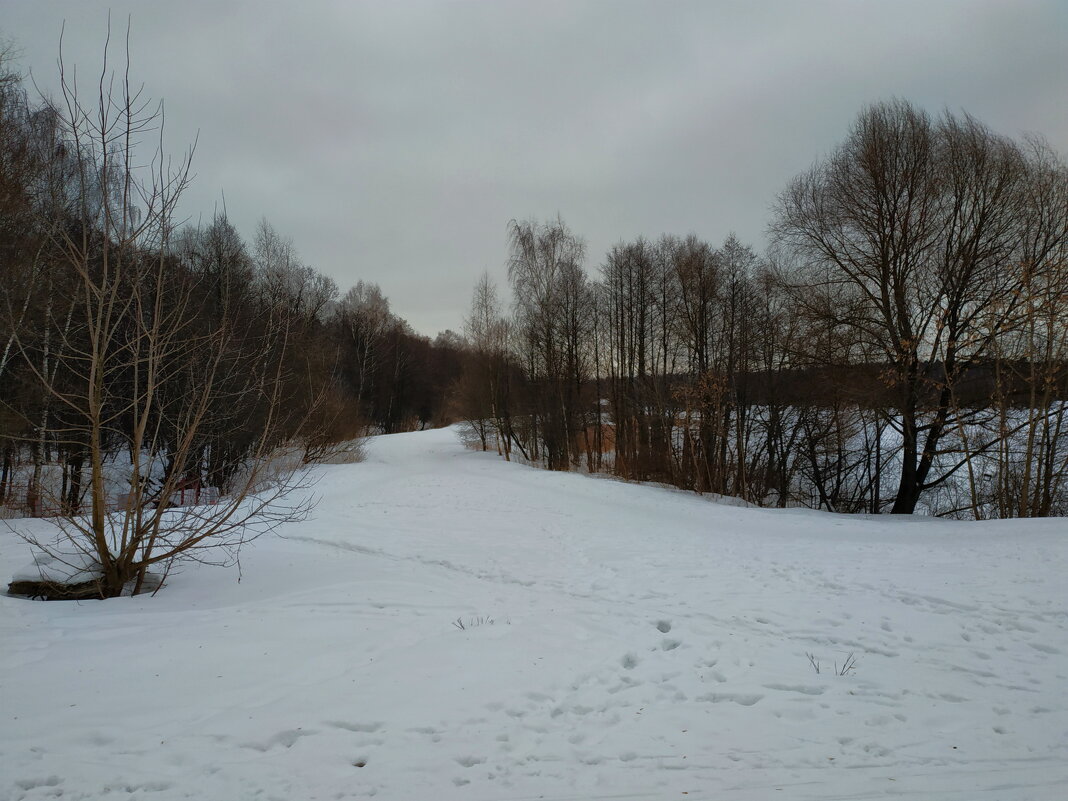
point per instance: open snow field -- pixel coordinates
(635, 643)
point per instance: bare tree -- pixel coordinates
(485, 387)
(1031, 469)
(364, 314)
(907, 238)
(135, 371)
(548, 288)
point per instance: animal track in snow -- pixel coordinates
(629, 661)
(663, 626)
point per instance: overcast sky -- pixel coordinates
(393, 141)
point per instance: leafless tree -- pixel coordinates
(485, 387)
(907, 238)
(549, 291)
(133, 369)
(364, 314)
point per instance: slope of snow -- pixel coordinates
(618, 641)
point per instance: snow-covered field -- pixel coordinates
(618, 641)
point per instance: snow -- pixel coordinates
(73, 568)
(451, 626)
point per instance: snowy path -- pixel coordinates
(644, 644)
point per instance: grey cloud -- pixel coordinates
(393, 141)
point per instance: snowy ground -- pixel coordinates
(644, 644)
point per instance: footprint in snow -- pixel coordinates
(804, 689)
(33, 784)
(742, 699)
(365, 728)
(286, 739)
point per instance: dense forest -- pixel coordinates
(902, 347)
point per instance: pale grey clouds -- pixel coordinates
(393, 141)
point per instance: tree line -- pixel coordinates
(143, 360)
(902, 345)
